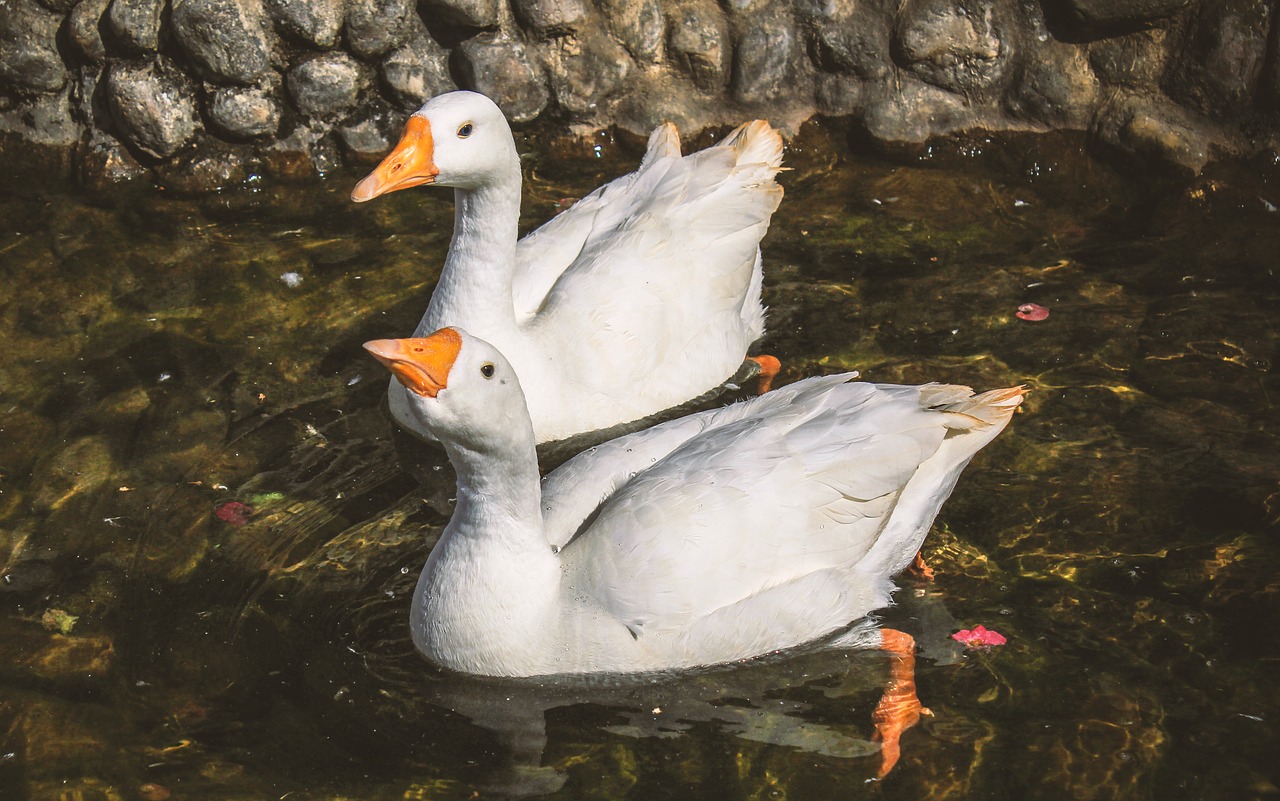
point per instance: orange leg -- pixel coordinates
(919, 568)
(899, 708)
(769, 367)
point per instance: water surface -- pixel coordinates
(166, 355)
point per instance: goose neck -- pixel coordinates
(501, 492)
(475, 286)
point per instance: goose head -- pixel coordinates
(459, 139)
(461, 388)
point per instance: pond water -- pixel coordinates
(165, 356)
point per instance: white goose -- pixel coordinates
(711, 538)
(643, 295)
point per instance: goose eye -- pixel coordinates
(486, 370)
(464, 131)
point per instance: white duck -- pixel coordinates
(710, 538)
(643, 295)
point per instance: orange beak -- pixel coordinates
(421, 364)
(411, 163)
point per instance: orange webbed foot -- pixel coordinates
(899, 708)
(769, 367)
(919, 568)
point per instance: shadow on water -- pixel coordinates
(210, 532)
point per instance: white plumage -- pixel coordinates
(711, 538)
(641, 296)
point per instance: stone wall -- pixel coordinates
(199, 88)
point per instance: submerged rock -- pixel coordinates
(104, 162)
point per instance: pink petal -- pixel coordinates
(1032, 311)
(233, 512)
(979, 637)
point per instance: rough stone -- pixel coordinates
(500, 67)
(468, 13)
(1220, 69)
(1136, 60)
(587, 69)
(955, 46)
(59, 657)
(857, 43)
(1056, 88)
(49, 114)
(151, 106)
(315, 23)
(908, 69)
(29, 59)
(206, 170)
(364, 141)
(638, 24)
(104, 162)
(77, 470)
(135, 24)
(1158, 132)
(1097, 17)
(839, 95)
(83, 31)
(289, 156)
(764, 59)
(699, 43)
(551, 16)
(227, 39)
(326, 84)
(817, 11)
(914, 112)
(244, 112)
(376, 27)
(417, 72)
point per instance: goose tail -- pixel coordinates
(992, 408)
(756, 142)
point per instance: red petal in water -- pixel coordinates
(1033, 312)
(233, 512)
(979, 637)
